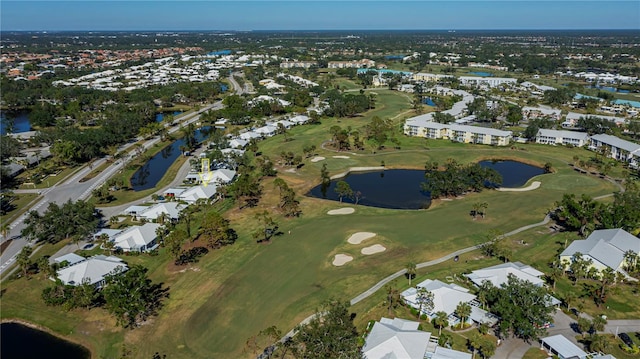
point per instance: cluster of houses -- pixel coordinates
(158, 72)
(399, 338)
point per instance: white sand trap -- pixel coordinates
(531, 187)
(317, 159)
(341, 259)
(360, 237)
(344, 157)
(346, 210)
(376, 248)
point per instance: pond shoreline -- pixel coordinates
(48, 331)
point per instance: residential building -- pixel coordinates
(422, 126)
(194, 194)
(530, 113)
(92, 271)
(400, 339)
(446, 297)
(137, 238)
(422, 76)
(562, 347)
(357, 64)
(499, 274)
(562, 137)
(171, 209)
(605, 248)
(299, 64)
(617, 148)
(486, 81)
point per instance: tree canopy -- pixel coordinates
(74, 220)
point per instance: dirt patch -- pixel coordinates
(376, 248)
(360, 237)
(346, 210)
(341, 259)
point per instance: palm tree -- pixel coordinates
(630, 258)
(463, 311)
(411, 271)
(483, 208)
(441, 320)
(425, 300)
(4, 230)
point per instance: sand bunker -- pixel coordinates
(317, 159)
(531, 187)
(341, 259)
(376, 248)
(360, 237)
(346, 210)
(344, 157)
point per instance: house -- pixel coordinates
(173, 192)
(618, 149)
(605, 248)
(110, 233)
(561, 137)
(238, 143)
(171, 209)
(248, 136)
(69, 259)
(92, 271)
(446, 297)
(530, 113)
(401, 339)
(299, 119)
(499, 274)
(396, 338)
(134, 211)
(266, 131)
(194, 194)
(562, 347)
(137, 238)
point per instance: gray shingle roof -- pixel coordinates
(606, 246)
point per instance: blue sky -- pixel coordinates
(160, 15)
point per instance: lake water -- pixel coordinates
(22, 342)
(401, 189)
(429, 102)
(609, 89)
(153, 170)
(160, 116)
(480, 73)
(19, 122)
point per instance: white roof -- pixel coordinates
(446, 297)
(135, 209)
(616, 142)
(563, 134)
(136, 237)
(606, 246)
(171, 208)
(397, 338)
(175, 191)
(299, 119)
(564, 347)
(238, 143)
(444, 353)
(265, 130)
(71, 258)
(499, 274)
(93, 270)
(108, 231)
(249, 135)
(193, 194)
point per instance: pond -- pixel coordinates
(14, 122)
(429, 102)
(401, 189)
(20, 341)
(153, 170)
(160, 116)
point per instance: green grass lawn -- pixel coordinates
(48, 181)
(20, 204)
(235, 292)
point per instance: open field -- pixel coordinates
(20, 202)
(234, 292)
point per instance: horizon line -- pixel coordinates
(321, 30)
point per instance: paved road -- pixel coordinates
(72, 189)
